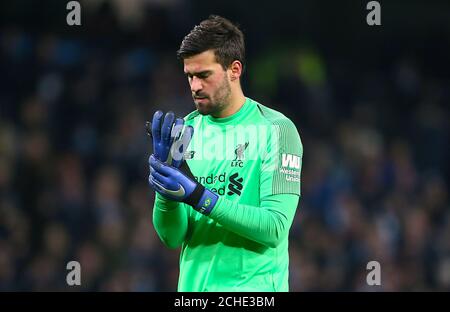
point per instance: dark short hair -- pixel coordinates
(218, 34)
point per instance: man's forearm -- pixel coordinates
(170, 220)
(268, 224)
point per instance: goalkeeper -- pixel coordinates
(228, 185)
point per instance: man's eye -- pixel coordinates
(199, 76)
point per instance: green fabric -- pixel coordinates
(252, 159)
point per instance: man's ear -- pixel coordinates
(236, 70)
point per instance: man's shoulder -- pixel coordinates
(272, 116)
(286, 128)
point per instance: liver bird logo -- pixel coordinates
(239, 151)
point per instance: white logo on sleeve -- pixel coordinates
(290, 167)
(290, 161)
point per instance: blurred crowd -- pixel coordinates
(73, 158)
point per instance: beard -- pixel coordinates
(216, 103)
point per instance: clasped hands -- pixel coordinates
(169, 175)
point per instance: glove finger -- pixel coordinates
(160, 167)
(166, 128)
(180, 146)
(177, 129)
(187, 136)
(175, 135)
(150, 181)
(160, 179)
(156, 126)
(154, 184)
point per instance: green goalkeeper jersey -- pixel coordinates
(252, 160)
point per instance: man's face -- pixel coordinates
(209, 83)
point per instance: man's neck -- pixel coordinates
(237, 100)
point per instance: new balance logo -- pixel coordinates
(290, 161)
(235, 186)
(189, 154)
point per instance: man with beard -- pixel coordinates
(230, 203)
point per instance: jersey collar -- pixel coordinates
(242, 112)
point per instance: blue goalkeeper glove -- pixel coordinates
(169, 143)
(180, 186)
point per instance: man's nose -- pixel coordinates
(196, 84)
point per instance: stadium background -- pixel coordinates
(370, 103)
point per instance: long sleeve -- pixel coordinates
(170, 220)
(270, 221)
(268, 224)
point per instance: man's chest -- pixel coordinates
(226, 160)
